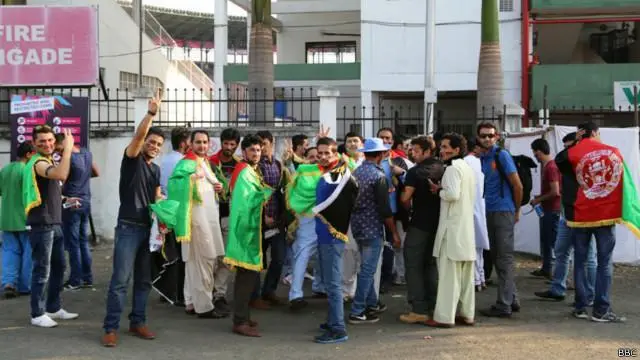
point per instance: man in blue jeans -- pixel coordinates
(139, 188)
(42, 196)
(335, 196)
(590, 181)
(75, 219)
(16, 250)
(370, 215)
(563, 251)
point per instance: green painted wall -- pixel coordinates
(578, 85)
(578, 4)
(299, 72)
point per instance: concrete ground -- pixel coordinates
(542, 330)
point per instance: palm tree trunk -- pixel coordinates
(490, 98)
(260, 76)
(14, 2)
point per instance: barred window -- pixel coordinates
(130, 81)
(337, 52)
(506, 5)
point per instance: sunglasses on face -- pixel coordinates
(487, 136)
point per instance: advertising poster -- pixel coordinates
(58, 112)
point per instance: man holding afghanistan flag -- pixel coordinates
(249, 194)
(599, 179)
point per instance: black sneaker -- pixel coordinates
(549, 295)
(542, 274)
(69, 287)
(609, 317)
(87, 285)
(298, 304)
(580, 314)
(10, 292)
(573, 304)
(331, 337)
(378, 309)
(364, 318)
(494, 312)
(515, 306)
(222, 305)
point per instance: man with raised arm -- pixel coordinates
(139, 188)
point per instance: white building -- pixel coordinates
(375, 54)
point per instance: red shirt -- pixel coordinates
(550, 173)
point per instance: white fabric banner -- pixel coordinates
(527, 231)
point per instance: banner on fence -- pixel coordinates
(623, 95)
(48, 46)
(58, 112)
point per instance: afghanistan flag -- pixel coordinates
(336, 195)
(300, 194)
(30, 192)
(249, 194)
(598, 188)
(182, 189)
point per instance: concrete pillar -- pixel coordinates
(370, 111)
(248, 34)
(220, 38)
(329, 109)
(141, 98)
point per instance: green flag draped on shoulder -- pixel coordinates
(182, 188)
(630, 203)
(166, 211)
(301, 192)
(249, 194)
(30, 192)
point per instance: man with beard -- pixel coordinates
(249, 194)
(139, 188)
(421, 270)
(454, 245)
(194, 185)
(223, 162)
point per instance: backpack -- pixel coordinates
(524, 164)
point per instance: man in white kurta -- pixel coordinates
(479, 217)
(454, 245)
(204, 252)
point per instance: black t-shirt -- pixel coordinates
(425, 211)
(49, 212)
(227, 169)
(138, 183)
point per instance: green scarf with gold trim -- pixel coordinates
(30, 192)
(182, 188)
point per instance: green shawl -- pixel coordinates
(30, 192)
(249, 194)
(182, 188)
(300, 194)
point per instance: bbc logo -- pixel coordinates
(627, 352)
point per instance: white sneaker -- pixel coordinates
(308, 276)
(62, 314)
(43, 321)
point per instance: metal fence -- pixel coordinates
(202, 108)
(409, 120)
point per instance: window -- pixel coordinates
(506, 5)
(130, 81)
(338, 52)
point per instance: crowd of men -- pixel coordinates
(435, 214)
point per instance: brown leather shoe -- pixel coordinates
(259, 304)
(142, 332)
(110, 339)
(433, 323)
(273, 300)
(413, 318)
(246, 330)
(464, 321)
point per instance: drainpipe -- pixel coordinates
(525, 61)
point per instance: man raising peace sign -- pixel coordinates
(139, 187)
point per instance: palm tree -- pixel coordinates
(260, 76)
(490, 76)
(14, 2)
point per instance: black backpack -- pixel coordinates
(524, 164)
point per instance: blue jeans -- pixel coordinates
(548, 234)
(47, 248)
(605, 242)
(16, 260)
(131, 258)
(303, 248)
(366, 295)
(76, 243)
(330, 260)
(278, 246)
(564, 251)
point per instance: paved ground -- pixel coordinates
(542, 330)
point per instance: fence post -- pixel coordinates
(329, 109)
(141, 98)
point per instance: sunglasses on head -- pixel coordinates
(43, 127)
(487, 136)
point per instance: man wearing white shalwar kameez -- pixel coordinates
(204, 250)
(479, 217)
(454, 245)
